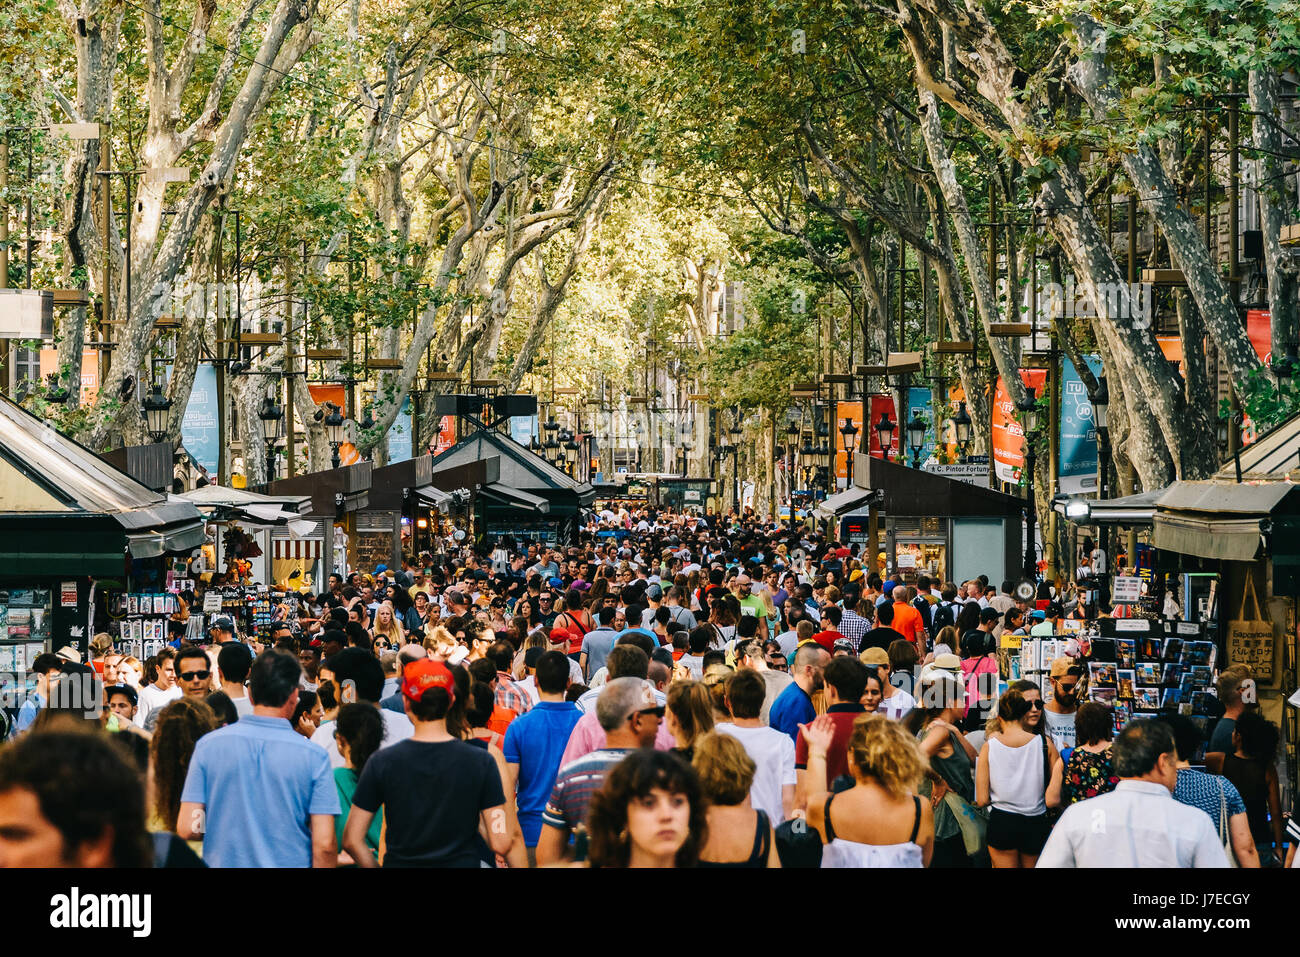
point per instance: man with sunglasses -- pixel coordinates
(546, 607)
(1060, 708)
(194, 672)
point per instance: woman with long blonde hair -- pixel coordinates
(387, 629)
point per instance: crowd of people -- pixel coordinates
(673, 690)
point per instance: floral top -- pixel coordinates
(1087, 775)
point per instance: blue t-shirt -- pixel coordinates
(259, 782)
(536, 741)
(791, 708)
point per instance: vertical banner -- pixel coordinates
(853, 412)
(348, 454)
(446, 437)
(1008, 436)
(880, 404)
(199, 428)
(1077, 467)
(1259, 327)
(920, 402)
(400, 438)
(523, 428)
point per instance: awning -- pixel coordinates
(841, 503)
(1219, 520)
(153, 544)
(433, 496)
(515, 498)
(297, 549)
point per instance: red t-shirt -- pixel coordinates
(837, 755)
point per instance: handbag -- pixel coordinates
(1225, 835)
(970, 819)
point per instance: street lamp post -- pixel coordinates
(850, 433)
(961, 425)
(271, 416)
(156, 408)
(916, 438)
(792, 436)
(1100, 412)
(334, 430)
(885, 429)
(736, 432)
(1029, 422)
(1224, 434)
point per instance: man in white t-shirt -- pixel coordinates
(162, 692)
(771, 751)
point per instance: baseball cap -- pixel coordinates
(1063, 666)
(843, 644)
(874, 656)
(424, 674)
(125, 690)
(988, 614)
(223, 624)
(654, 593)
(68, 653)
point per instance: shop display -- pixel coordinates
(141, 620)
(24, 627)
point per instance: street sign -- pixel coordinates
(973, 473)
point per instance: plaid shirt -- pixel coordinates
(510, 695)
(853, 626)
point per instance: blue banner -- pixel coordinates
(200, 433)
(1078, 456)
(523, 428)
(399, 435)
(919, 402)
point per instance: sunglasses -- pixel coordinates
(1035, 705)
(195, 675)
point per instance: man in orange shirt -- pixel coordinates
(907, 620)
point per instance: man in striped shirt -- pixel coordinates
(629, 713)
(853, 626)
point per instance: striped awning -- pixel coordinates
(308, 549)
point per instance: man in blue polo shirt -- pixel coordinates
(535, 743)
(258, 793)
(794, 706)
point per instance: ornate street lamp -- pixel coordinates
(334, 430)
(271, 415)
(156, 408)
(885, 429)
(849, 432)
(961, 426)
(916, 430)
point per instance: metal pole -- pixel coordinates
(106, 294)
(223, 334)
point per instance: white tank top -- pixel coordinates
(1016, 777)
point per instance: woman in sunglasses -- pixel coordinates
(1019, 776)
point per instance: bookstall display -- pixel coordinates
(24, 634)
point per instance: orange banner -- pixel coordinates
(89, 371)
(348, 454)
(1008, 435)
(853, 412)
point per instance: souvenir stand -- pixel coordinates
(78, 532)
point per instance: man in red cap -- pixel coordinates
(435, 789)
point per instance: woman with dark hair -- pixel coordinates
(648, 813)
(1251, 769)
(177, 731)
(224, 708)
(903, 657)
(575, 621)
(950, 778)
(525, 609)
(1018, 775)
(308, 713)
(358, 731)
(1089, 772)
(979, 669)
